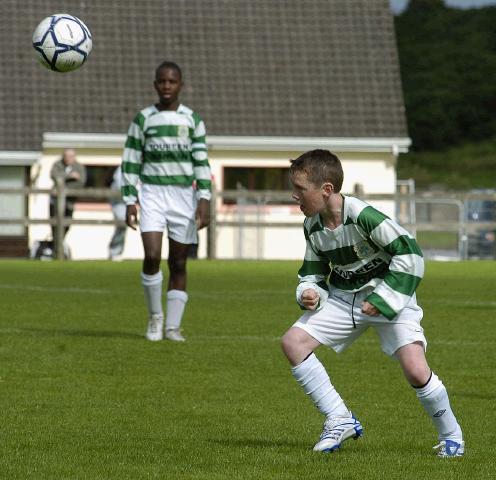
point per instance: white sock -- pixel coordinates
(152, 285)
(434, 398)
(312, 377)
(176, 301)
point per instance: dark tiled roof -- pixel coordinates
(251, 67)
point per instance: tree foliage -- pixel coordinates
(448, 65)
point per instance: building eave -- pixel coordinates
(18, 158)
(302, 144)
(240, 143)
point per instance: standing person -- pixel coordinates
(73, 175)
(166, 149)
(360, 270)
(116, 245)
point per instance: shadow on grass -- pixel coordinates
(51, 332)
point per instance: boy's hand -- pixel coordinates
(202, 213)
(310, 299)
(370, 310)
(131, 216)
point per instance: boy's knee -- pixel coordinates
(151, 262)
(177, 264)
(296, 346)
(286, 341)
(418, 376)
(291, 339)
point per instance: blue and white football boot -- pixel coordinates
(336, 431)
(450, 448)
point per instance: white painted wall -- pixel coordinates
(374, 170)
(12, 206)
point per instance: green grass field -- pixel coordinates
(84, 396)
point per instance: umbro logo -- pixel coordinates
(439, 413)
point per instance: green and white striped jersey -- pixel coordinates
(367, 250)
(166, 148)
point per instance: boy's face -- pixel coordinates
(168, 84)
(308, 195)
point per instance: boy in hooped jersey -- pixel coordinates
(360, 270)
(166, 152)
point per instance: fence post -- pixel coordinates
(212, 227)
(241, 203)
(358, 190)
(462, 231)
(60, 220)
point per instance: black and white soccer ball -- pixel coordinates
(62, 42)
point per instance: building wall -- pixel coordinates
(374, 171)
(12, 206)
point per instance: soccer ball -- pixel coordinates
(62, 42)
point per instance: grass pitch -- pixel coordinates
(84, 396)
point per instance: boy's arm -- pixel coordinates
(313, 275)
(201, 167)
(132, 159)
(406, 267)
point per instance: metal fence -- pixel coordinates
(444, 223)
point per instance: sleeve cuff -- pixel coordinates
(381, 305)
(323, 293)
(203, 194)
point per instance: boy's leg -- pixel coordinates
(433, 396)
(298, 346)
(181, 227)
(151, 279)
(404, 339)
(176, 294)
(311, 375)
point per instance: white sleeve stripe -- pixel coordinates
(312, 278)
(387, 231)
(202, 193)
(411, 264)
(396, 300)
(135, 132)
(200, 155)
(202, 173)
(130, 179)
(132, 156)
(200, 130)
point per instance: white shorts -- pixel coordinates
(333, 324)
(171, 207)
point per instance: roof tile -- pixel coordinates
(280, 68)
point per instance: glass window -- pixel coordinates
(257, 178)
(97, 176)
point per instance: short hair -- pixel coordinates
(320, 166)
(168, 64)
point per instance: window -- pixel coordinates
(257, 178)
(97, 176)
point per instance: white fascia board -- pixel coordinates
(395, 145)
(238, 143)
(83, 140)
(18, 158)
